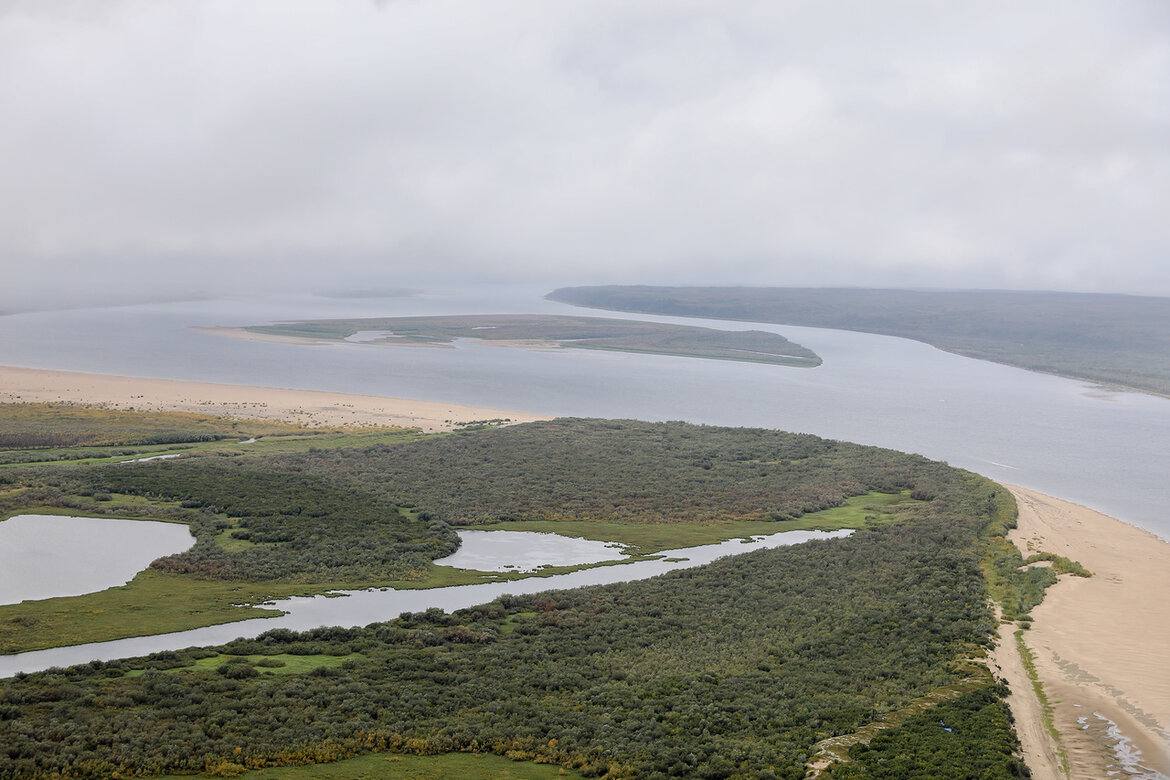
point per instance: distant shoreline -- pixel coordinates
(312, 408)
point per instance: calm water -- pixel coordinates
(42, 556)
(360, 608)
(1104, 449)
(525, 551)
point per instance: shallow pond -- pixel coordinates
(42, 556)
(525, 551)
(363, 607)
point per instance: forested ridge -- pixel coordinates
(1112, 339)
(735, 669)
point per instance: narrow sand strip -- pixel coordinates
(305, 407)
(1102, 644)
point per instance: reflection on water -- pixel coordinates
(42, 556)
(362, 607)
(525, 551)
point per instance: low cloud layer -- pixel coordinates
(204, 145)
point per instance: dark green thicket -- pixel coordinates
(623, 470)
(734, 669)
(970, 736)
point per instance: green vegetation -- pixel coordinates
(1119, 340)
(71, 432)
(738, 668)
(1028, 659)
(970, 736)
(575, 332)
(282, 663)
(866, 511)
(382, 766)
(1060, 564)
(619, 471)
(746, 667)
(1015, 583)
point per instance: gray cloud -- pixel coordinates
(207, 144)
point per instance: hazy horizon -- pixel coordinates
(160, 150)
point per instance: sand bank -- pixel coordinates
(1101, 645)
(304, 407)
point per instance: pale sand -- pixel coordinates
(1102, 644)
(305, 407)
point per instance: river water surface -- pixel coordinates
(1108, 450)
(360, 608)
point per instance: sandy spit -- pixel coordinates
(1102, 644)
(305, 407)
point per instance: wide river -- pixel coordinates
(1108, 450)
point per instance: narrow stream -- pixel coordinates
(360, 608)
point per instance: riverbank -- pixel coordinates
(1098, 645)
(311, 408)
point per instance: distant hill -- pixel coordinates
(1121, 340)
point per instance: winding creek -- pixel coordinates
(359, 608)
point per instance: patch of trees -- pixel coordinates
(624, 470)
(734, 669)
(970, 736)
(297, 526)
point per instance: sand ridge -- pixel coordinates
(1102, 644)
(312, 408)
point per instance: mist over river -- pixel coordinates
(1105, 449)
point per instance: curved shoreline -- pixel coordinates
(1099, 644)
(311, 408)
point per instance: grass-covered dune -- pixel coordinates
(1119, 340)
(742, 668)
(575, 332)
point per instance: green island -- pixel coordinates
(1114, 340)
(556, 331)
(859, 657)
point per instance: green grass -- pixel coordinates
(281, 663)
(1060, 564)
(157, 602)
(272, 444)
(858, 512)
(392, 766)
(1028, 658)
(55, 426)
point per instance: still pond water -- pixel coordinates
(359, 608)
(42, 556)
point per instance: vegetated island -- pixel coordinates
(556, 331)
(856, 657)
(1117, 340)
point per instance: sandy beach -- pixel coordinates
(305, 407)
(1101, 645)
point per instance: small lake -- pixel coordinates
(360, 608)
(42, 556)
(526, 551)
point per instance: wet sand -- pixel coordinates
(1102, 644)
(304, 407)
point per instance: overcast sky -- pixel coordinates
(202, 145)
